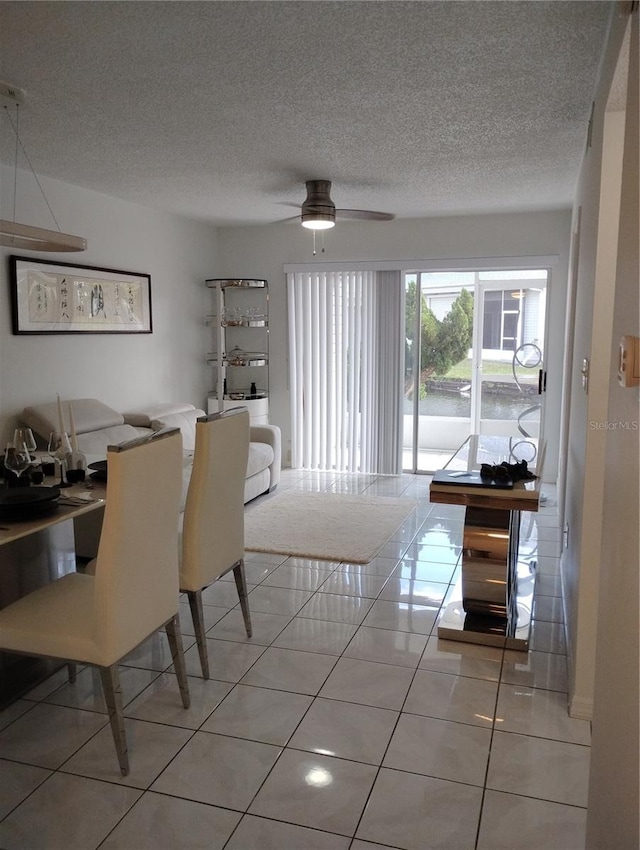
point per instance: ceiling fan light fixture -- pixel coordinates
(318, 221)
(318, 210)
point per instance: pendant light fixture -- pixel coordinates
(12, 233)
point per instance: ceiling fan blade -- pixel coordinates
(369, 215)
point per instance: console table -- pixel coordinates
(493, 599)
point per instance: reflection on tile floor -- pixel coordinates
(343, 724)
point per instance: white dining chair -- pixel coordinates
(212, 541)
(99, 618)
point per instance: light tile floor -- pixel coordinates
(343, 723)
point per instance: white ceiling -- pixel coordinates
(222, 110)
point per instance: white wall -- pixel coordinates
(123, 370)
(598, 197)
(262, 252)
(613, 812)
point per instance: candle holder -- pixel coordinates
(76, 460)
(59, 448)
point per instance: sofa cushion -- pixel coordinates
(89, 414)
(256, 485)
(260, 457)
(97, 425)
(144, 418)
(96, 442)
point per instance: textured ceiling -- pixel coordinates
(221, 110)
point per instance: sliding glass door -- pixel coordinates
(439, 333)
(473, 359)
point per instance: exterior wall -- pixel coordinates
(530, 323)
(124, 371)
(262, 251)
(533, 318)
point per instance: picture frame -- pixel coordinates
(50, 297)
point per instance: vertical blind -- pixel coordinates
(346, 354)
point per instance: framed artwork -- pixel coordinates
(53, 298)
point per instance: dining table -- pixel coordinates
(34, 551)
(492, 600)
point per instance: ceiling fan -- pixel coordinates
(318, 212)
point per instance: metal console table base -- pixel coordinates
(492, 602)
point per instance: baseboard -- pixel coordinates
(581, 708)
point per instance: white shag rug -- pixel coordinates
(325, 526)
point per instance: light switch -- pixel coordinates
(629, 361)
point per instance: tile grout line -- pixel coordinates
(400, 711)
(316, 697)
(486, 773)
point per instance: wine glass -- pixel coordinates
(17, 458)
(59, 447)
(25, 435)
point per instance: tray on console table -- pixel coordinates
(479, 449)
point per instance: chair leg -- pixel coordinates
(73, 672)
(177, 653)
(113, 698)
(241, 584)
(197, 615)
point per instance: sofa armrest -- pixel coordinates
(270, 434)
(185, 421)
(168, 415)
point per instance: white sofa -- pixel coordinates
(98, 426)
(263, 466)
